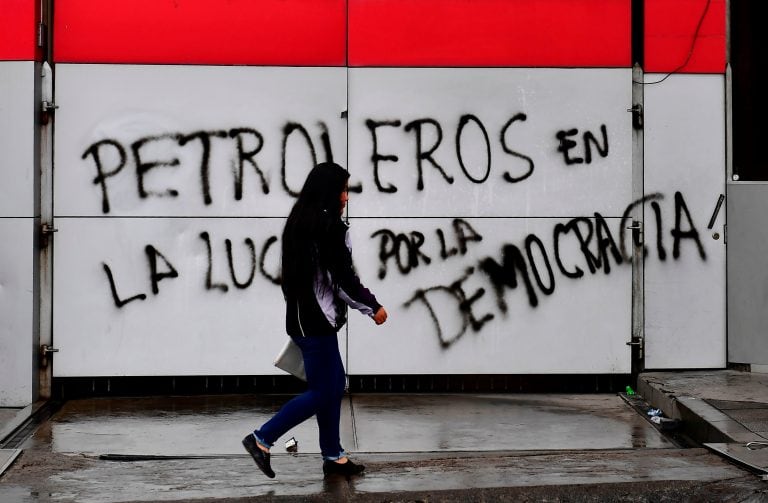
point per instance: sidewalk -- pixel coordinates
(447, 447)
(432, 447)
(726, 410)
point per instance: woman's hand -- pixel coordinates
(380, 316)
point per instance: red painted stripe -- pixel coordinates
(18, 30)
(264, 32)
(567, 33)
(670, 26)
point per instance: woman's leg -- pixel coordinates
(329, 409)
(322, 362)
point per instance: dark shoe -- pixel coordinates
(348, 468)
(261, 457)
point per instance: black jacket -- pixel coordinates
(322, 310)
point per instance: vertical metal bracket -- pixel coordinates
(46, 231)
(637, 115)
(45, 354)
(637, 232)
(639, 343)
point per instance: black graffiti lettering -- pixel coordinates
(445, 252)
(530, 241)
(566, 145)
(404, 249)
(559, 230)
(355, 187)
(209, 284)
(593, 262)
(465, 119)
(113, 288)
(504, 275)
(426, 155)
(156, 276)
(252, 255)
(416, 255)
(155, 151)
(101, 177)
(143, 167)
(464, 305)
(376, 157)
(386, 249)
(589, 139)
(205, 158)
(595, 242)
(678, 234)
(503, 139)
(247, 156)
(659, 245)
(160, 268)
(606, 243)
(273, 278)
(325, 140)
(421, 295)
(626, 219)
(289, 129)
(402, 244)
(465, 233)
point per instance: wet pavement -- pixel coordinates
(214, 426)
(188, 448)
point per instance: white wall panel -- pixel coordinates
(187, 131)
(17, 130)
(190, 325)
(580, 326)
(685, 153)
(16, 311)
(162, 130)
(497, 122)
(17, 199)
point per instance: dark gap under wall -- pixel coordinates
(83, 387)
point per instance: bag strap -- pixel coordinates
(298, 317)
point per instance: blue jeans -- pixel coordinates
(326, 382)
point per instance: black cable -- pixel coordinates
(690, 51)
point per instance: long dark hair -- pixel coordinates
(308, 233)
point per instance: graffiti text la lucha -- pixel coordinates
(160, 268)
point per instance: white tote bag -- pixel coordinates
(291, 360)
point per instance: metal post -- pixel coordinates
(638, 279)
(45, 274)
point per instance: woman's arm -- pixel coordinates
(351, 289)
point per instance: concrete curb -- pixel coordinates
(701, 421)
(37, 412)
(9, 427)
(7, 457)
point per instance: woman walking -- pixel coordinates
(318, 282)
